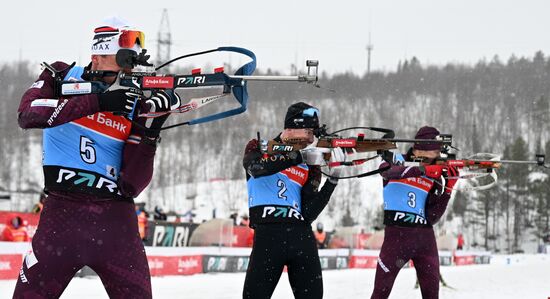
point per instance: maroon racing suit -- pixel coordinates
(85, 226)
(410, 240)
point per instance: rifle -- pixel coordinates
(490, 164)
(148, 80)
(351, 145)
(478, 166)
(358, 143)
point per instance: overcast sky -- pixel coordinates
(284, 31)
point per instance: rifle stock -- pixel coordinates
(470, 164)
(365, 145)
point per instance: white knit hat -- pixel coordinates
(105, 41)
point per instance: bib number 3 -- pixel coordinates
(412, 199)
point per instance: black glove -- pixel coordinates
(160, 101)
(119, 100)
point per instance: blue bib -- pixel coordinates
(407, 195)
(281, 189)
(85, 155)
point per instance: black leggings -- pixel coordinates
(277, 245)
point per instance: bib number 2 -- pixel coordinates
(282, 189)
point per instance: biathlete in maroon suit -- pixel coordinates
(95, 162)
(414, 199)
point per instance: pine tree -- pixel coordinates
(519, 179)
(347, 219)
(541, 193)
(505, 182)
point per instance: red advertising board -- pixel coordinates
(10, 265)
(29, 219)
(175, 265)
(242, 236)
(363, 262)
(361, 240)
(464, 260)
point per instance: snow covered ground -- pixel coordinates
(520, 276)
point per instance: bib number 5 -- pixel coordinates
(87, 151)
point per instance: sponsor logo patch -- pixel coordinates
(22, 276)
(409, 218)
(158, 82)
(296, 174)
(192, 80)
(30, 259)
(344, 143)
(282, 148)
(44, 103)
(88, 179)
(281, 212)
(37, 84)
(56, 112)
(76, 88)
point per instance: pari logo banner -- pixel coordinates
(225, 263)
(166, 234)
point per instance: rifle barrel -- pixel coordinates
(415, 140)
(517, 162)
(301, 78)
